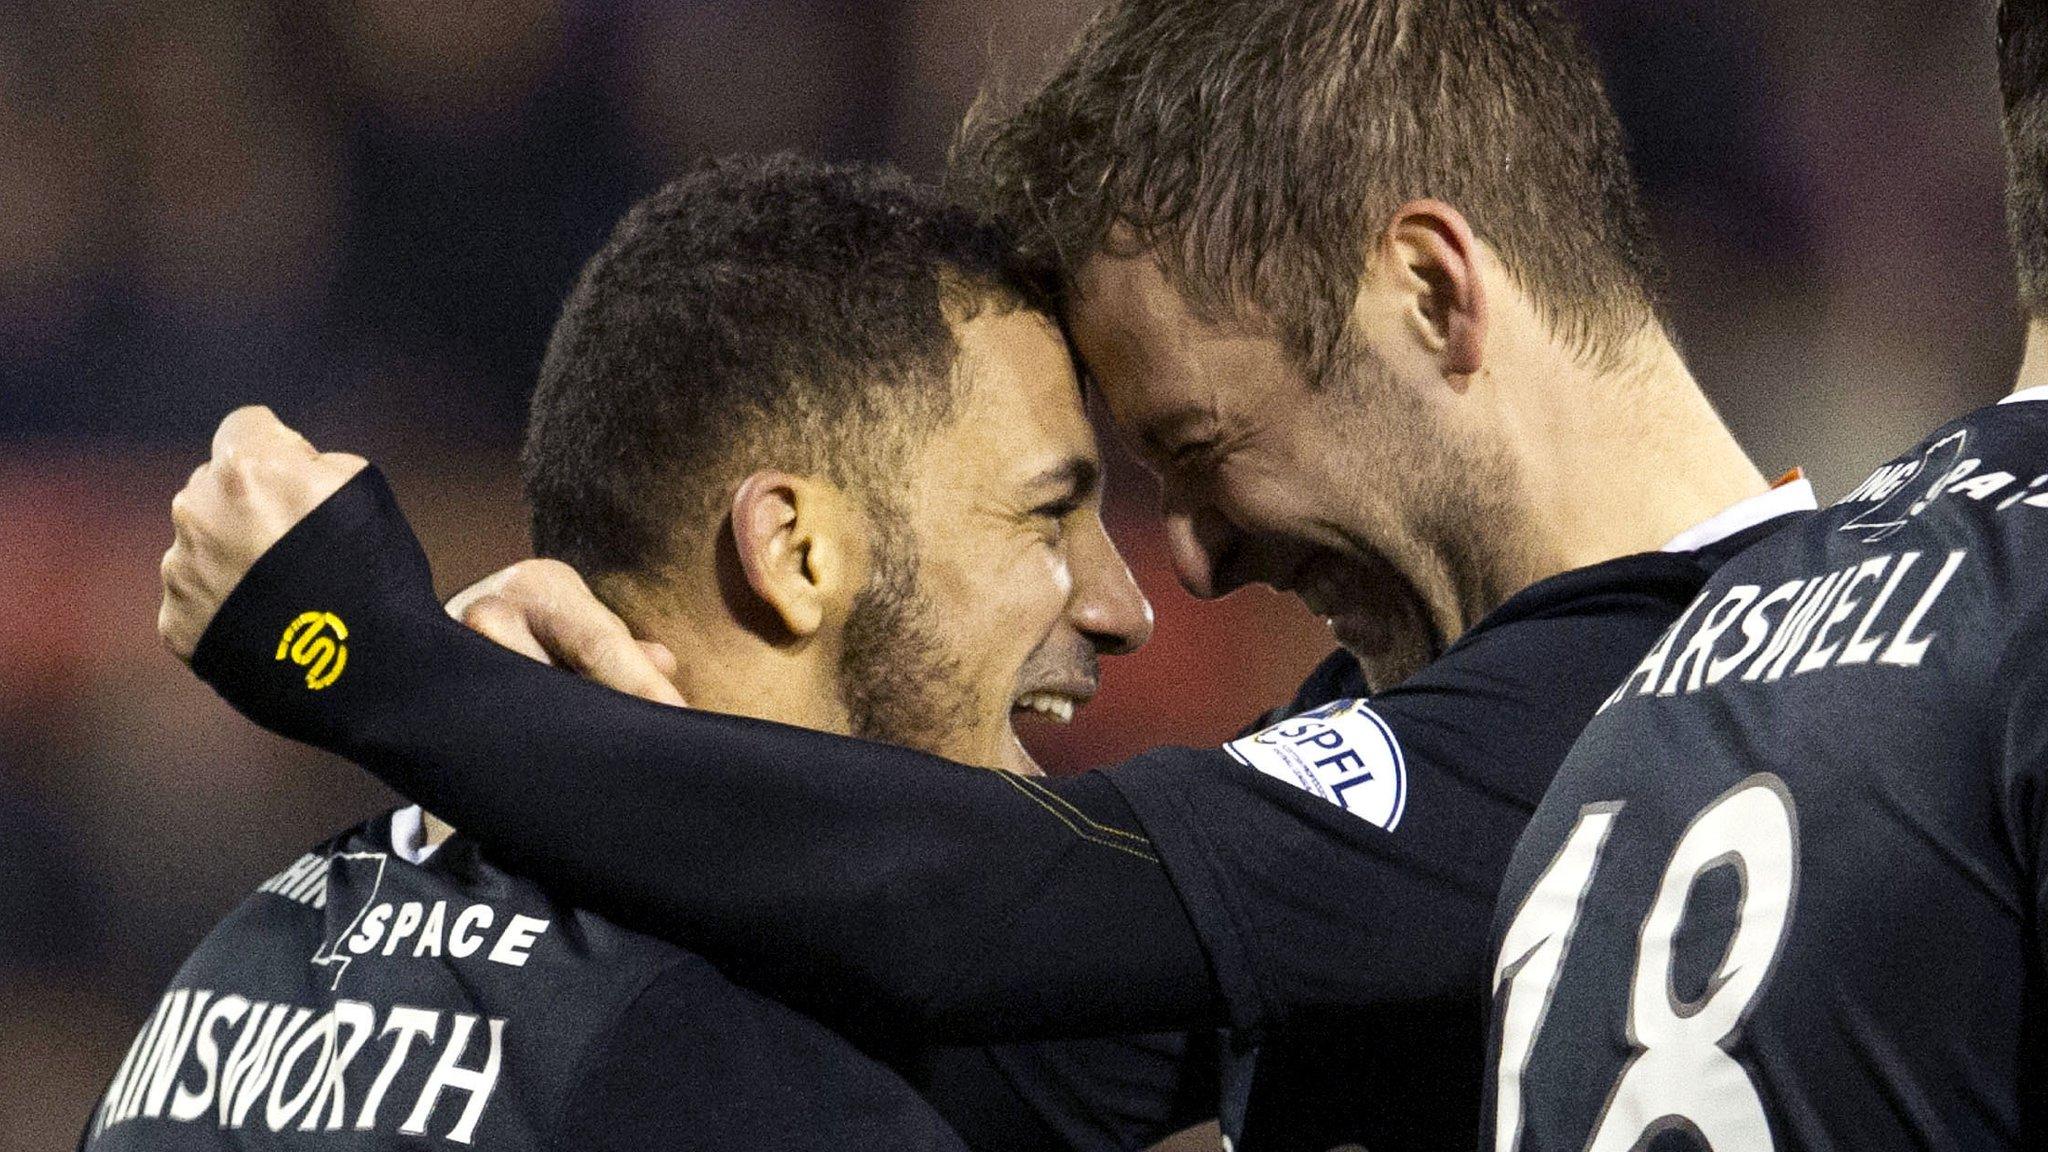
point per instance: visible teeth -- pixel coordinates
(1050, 705)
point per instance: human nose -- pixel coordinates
(1107, 606)
(1198, 539)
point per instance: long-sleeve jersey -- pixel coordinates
(1788, 891)
(1324, 884)
(366, 998)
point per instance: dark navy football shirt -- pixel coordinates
(1788, 890)
(361, 1000)
(1321, 888)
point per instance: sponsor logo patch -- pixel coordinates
(1342, 752)
(314, 642)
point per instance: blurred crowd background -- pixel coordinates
(365, 213)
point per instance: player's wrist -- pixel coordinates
(327, 613)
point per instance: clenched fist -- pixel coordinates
(263, 478)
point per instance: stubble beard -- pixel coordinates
(1463, 533)
(897, 680)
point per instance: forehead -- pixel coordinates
(1156, 361)
(1021, 405)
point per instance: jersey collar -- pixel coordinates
(2037, 392)
(1792, 493)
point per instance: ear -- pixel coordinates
(1430, 248)
(791, 534)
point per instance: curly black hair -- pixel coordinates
(757, 312)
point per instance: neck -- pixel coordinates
(1619, 462)
(436, 830)
(2034, 364)
(722, 665)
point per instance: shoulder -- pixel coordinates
(691, 1060)
(304, 880)
(655, 1017)
(286, 913)
(1984, 475)
(1559, 646)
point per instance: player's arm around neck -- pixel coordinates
(852, 878)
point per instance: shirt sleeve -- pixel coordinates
(2024, 771)
(1184, 889)
(674, 1074)
(1405, 1077)
(679, 1071)
(1346, 860)
(865, 883)
(1119, 1094)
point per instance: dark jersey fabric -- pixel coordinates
(1350, 951)
(1124, 1092)
(1184, 889)
(1788, 890)
(1305, 909)
(357, 1000)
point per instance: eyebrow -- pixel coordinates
(1077, 478)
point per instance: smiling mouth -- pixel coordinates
(1365, 612)
(1057, 707)
(1319, 588)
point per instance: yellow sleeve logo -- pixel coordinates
(314, 642)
